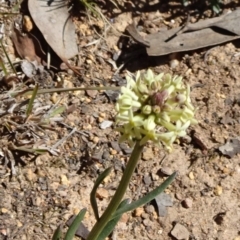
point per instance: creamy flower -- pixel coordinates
(156, 108)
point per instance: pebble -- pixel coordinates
(30, 175)
(148, 154)
(174, 63)
(180, 232)
(149, 209)
(54, 97)
(147, 222)
(145, 215)
(106, 124)
(218, 190)
(92, 93)
(102, 193)
(124, 218)
(115, 146)
(179, 196)
(95, 139)
(154, 176)
(138, 212)
(64, 180)
(106, 155)
(113, 152)
(167, 171)
(19, 224)
(147, 180)
(187, 203)
(191, 176)
(4, 210)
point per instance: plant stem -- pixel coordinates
(114, 203)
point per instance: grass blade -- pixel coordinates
(149, 197)
(30, 105)
(75, 224)
(5, 52)
(3, 67)
(94, 190)
(56, 111)
(58, 233)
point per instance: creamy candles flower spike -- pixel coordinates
(154, 107)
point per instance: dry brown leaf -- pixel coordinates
(52, 19)
(25, 46)
(193, 36)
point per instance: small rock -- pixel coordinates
(167, 171)
(145, 215)
(54, 97)
(138, 212)
(174, 63)
(149, 209)
(113, 151)
(95, 139)
(106, 124)
(102, 114)
(19, 224)
(115, 146)
(163, 200)
(147, 180)
(218, 190)
(154, 176)
(4, 210)
(148, 154)
(106, 155)
(180, 232)
(178, 196)
(64, 180)
(125, 148)
(147, 222)
(30, 175)
(187, 203)
(124, 218)
(191, 175)
(92, 93)
(3, 231)
(102, 193)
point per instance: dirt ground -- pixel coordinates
(39, 192)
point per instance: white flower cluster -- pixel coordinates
(156, 108)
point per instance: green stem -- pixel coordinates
(113, 205)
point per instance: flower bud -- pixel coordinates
(147, 109)
(156, 109)
(159, 98)
(180, 98)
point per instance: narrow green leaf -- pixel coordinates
(149, 197)
(93, 192)
(27, 92)
(3, 67)
(30, 105)
(111, 224)
(58, 233)
(75, 224)
(31, 150)
(6, 54)
(57, 111)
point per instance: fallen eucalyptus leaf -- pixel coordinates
(204, 33)
(53, 20)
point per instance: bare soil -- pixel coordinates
(39, 192)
